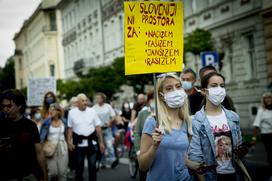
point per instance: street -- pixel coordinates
(119, 173)
(255, 161)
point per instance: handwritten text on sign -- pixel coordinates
(153, 37)
(37, 88)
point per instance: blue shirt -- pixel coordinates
(169, 164)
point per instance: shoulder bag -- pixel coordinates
(50, 148)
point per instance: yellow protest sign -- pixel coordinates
(153, 37)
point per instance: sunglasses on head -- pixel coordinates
(166, 74)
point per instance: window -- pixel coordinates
(98, 57)
(20, 64)
(194, 5)
(210, 2)
(225, 9)
(21, 83)
(52, 70)
(95, 14)
(227, 68)
(52, 19)
(250, 56)
(242, 2)
(90, 18)
(78, 26)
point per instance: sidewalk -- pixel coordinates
(257, 164)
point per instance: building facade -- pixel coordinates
(92, 34)
(267, 20)
(38, 52)
(238, 30)
(113, 22)
(241, 29)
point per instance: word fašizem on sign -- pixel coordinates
(153, 37)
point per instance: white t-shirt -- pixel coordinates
(223, 143)
(104, 112)
(83, 122)
(263, 120)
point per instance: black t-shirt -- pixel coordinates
(18, 159)
(126, 114)
(195, 101)
(137, 107)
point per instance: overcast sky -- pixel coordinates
(12, 15)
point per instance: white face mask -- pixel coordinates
(216, 95)
(175, 99)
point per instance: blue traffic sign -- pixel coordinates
(209, 58)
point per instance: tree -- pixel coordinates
(138, 82)
(7, 75)
(199, 41)
(106, 79)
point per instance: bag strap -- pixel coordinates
(59, 135)
(243, 168)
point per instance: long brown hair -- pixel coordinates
(45, 106)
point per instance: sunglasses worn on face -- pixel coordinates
(6, 105)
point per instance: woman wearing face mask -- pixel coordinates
(36, 117)
(54, 131)
(126, 113)
(263, 124)
(210, 124)
(162, 151)
(49, 98)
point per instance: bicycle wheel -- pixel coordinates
(133, 167)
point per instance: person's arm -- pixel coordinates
(99, 132)
(41, 160)
(69, 139)
(195, 154)
(256, 125)
(256, 131)
(113, 116)
(100, 139)
(133, 115)
(241, 150)
(137, 133)
(149, 146)
(69, 134)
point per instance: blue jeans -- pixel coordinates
(81, 153)
(109, 147)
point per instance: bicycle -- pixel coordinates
(133, 165)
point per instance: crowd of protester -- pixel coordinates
(195, 133)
